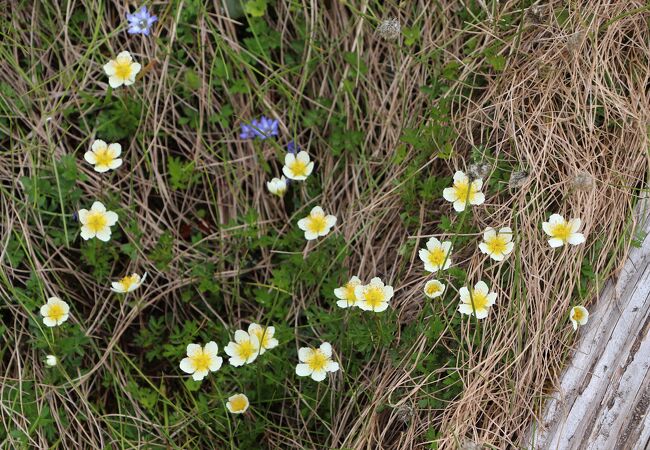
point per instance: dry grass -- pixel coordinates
(572, 98)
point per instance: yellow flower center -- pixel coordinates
(437, 257)
(348, 293)
(246, 349)
(316, 224)
(561, 231)
(122, 69)
(465, 191)
(498, 244)
(96, 221)
(56, 312)
(479, 300)
(578, 314)
(201, 361)
(433, 288)
(128, 281)
(374, 296)
(263, 336)
(103, 156)
(238, 403)
(317, 361)
(299, 168)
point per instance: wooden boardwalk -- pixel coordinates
(605, 389)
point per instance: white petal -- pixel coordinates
(193, 349)
(215, 364)
(303, 370)
(310, 169)
(98, 207)
(546, 226)
(109, 68)
(90, 158)
(449, 194)
(460, 177)
(576, 239)
(481, 313)
(310, 235)
(49, 322)
(86, 233)
(211, 348)
(124, 55)
(464, 294)
(481, 287)
(104, 234)
(332, 366)
(459, 205)
(555, 219)
(199, 375)
(303, 156)
(289, 159)
(382, 307)
(483, 248)
(477, 199)
(318, 375)
(241, 335)
(115, 82)
(187, 366)
(554, 242)
(111, 218)
(115, 164)
(330, 220)
(326, 348)
(464, 308)
(83, 214)
(135, 68)
(317, 211)
(304, 353)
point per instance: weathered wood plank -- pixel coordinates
(602, 402)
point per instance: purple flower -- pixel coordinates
(263, 128)
(141, 21)
(292, 147)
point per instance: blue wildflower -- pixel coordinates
(141, 21)
(292, 147)
(263, 128)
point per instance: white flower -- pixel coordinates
(346, 293)
(104, 157)
(462, 192)
(121, 70)
(55, 312)
(316, 223)
(478, 302)
(316, 362)
(128, 283)
(51, 360)
(498, 245)
(578, 316)
(277, 186)
(97, 222)
(437, 255)
(243, 350)
(373, 296)
(297, 167)
(201, 360)
(264, 336)
(434, 288)
(237, 404)
(563, 231)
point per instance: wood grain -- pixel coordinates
(602, 402)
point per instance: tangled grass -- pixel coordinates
(556, 95)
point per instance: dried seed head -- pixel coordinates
(469, 444)
(404, 413)
(478, 170)
(574, 42)
(535, 14)
(583, 181)
(389, 29)
(518, 179)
